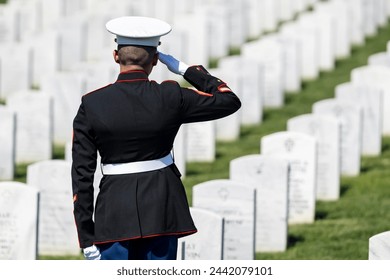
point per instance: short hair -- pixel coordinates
(136, 55)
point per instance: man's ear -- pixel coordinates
(155, 59)
(115, 55)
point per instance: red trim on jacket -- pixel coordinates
(130, 71)
(96, 90)
(169, 81)
(224, 88)
(202, 93)
(129, 81)
(147, 236)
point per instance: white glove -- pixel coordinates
(173, 64)
(91, 253)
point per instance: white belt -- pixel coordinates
(137, 166)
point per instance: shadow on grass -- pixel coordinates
(246, 130)
(344, 189)
(321, 215)
(20, 173)
(192, 172)
(293, 240)
(385, 147)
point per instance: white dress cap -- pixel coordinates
(141, 31)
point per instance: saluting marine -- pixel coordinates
(142, 208)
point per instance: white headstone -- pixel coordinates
(179, 151)
(66, 89)
(72, 7)
(292, 63)
(72, 48)
(299, 5)
(249, 84)
(270, 54)
(301, 152)
(377, 76)
(99, 74)
(388, 7)
(269, 176)
(369, 21)
(195, 26)
(207, 243)
(269, 15)
(183, 7)
(164, 10)
(256, 25)
(356, 18)
(326, 131)
(228, 128)
(11, 19)
(286, 10)
(237, 17)
(200, 142)
(34, 123)
(236, 203)
(309, 41)
(381, 13)
(379, 246)
(7, 24)
(15, 64)
(28, 19)
(19, 221)
(98, 42)
(370, 99)
(142, 7)
(218, 29)
(350, 117)
(45, 55)
(7, 140)
(341, 14)
(325, 26)
(68, 151)
(52, 12)
(381, 58)
(57, 229)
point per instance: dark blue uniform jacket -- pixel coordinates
(135, 119)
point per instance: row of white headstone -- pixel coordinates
(35, 119)
(57, 213)
(36, 217)
(283, 61)
(273, 65)
(58, 47)
(379, 244)
(265, 193)
(51, 43)
(43, 37)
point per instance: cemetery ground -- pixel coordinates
(342, 228)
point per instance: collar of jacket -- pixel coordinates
(132, 76)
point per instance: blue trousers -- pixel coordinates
(153, 248)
